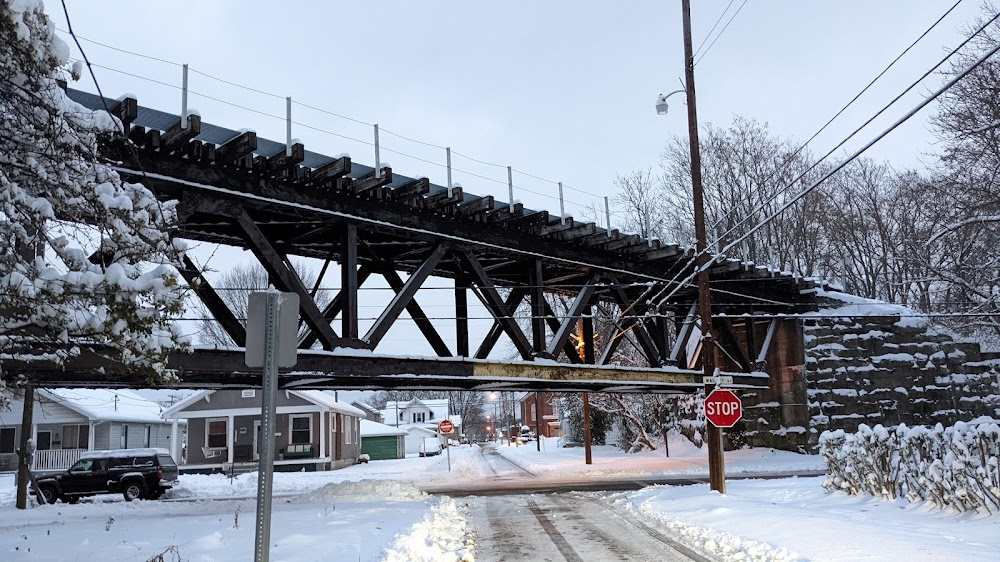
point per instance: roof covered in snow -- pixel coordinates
(106, 404)
(370, 428)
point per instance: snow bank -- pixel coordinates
(442, 535)
(719, 545)
(365, 490)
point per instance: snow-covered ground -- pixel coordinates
(376, 511)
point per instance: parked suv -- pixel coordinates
(134, 473)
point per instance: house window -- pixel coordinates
(533, 412)
(347, 431)
(7, 440)
(216, 430)
(301, 431)
(75, 436)
(145, 435)
(43, 441)
(418, 417)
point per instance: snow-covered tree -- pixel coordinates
(88, 257)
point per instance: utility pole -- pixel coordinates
(716, 461)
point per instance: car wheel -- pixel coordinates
(155, 494)
(133, 490)
(49, 494)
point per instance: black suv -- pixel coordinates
(134, 473)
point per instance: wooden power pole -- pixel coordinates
(716, 461)
(23, 456)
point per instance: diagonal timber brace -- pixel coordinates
(404, 296)
(197, 281)
(287, 279)
(495, 304)
(582, 300)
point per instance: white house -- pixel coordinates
(68, 421)
(420, 418)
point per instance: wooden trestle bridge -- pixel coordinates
(236, 189)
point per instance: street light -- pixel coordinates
(661, 102)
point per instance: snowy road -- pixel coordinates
(572, 527)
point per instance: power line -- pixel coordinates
(721, 32)
(789, 158)
(861, 151)
(710, 31)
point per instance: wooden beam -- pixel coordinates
(532, 222)
(581, 302)
(683, 334)
(281, 162)
(213, 302)
(556, 226)
(404, 296)
(461, 317)
(601, 238)
(126, 110)
(287, 280)
(536, 278)
(493, 336)
(349, 280)
(476, 206)
(176, 136)
(371, 185)
(441, 201)
(410, 191)
(333, 169)
(578, 231)
(734, 344)
(425, 326)
(495, 304)
(634, 323)
(236, 148)
(333, 308)
(568, 347)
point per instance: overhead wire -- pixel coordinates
(710, 31)
(709, 48)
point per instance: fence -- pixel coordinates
(55, 459)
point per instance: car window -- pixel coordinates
(145, 461)
(166, 460)
(82, 464)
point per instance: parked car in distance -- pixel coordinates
(134, 473)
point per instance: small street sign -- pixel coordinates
(446, 427)
(723, 408)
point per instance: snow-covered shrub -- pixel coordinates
(87, 257)
(953, 467)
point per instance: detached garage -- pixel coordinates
(382, 442)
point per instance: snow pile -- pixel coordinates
(365, 490)
(443, 535)
(953, 467)
(718, 545)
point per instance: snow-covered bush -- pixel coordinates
(953, 467)
(87, 257)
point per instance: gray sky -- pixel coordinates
(563, 90)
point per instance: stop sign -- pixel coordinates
(446, 427)
(723, 408)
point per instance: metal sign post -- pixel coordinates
(272, 323)
(447, 428)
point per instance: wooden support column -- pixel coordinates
(537, 281)
(538, 425)
(461, 318)
(349, 281)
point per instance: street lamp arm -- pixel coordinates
(661, 102)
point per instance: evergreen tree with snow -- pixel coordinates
(88, 260)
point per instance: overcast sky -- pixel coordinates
(563, 90)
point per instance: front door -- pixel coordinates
(256, 440)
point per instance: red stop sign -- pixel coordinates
(446, 427)
(723, 408)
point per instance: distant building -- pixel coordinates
(420, 419)
(540, 415)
